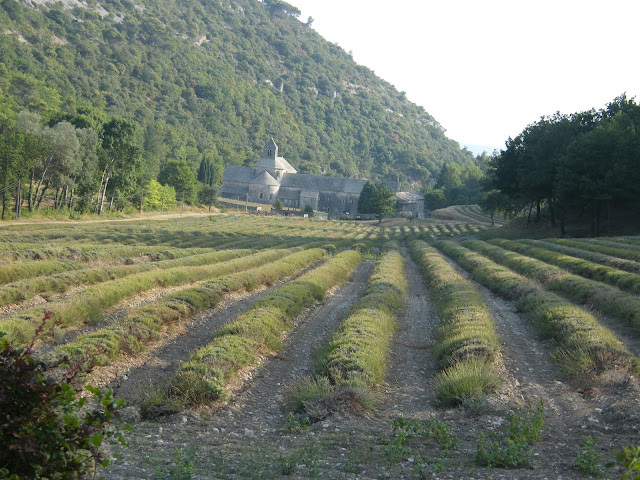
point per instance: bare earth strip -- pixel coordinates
(409, 391)
(256, 408)
(570, 415)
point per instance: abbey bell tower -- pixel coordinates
(271, 150)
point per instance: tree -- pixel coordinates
(208, 196)
(377, 199)
(178, 174)
(119, 153)
(11, 152)
(435, 198)
(278, 205)
(493, 202)
(159, 197)
(307, 208)
(210, 170)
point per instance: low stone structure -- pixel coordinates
(410, 202)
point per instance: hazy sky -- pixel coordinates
(485, 69)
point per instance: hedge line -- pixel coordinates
(583, 346)
(89, 305)
(359, 347)
(601, 258)
(91, 252)
(61, 282)
(606, 299)
(619, 252)
(623, 280)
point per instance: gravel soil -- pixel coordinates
(250, 437)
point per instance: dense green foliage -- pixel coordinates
(377, 199)
(203, 85)
(47, 431)
(456, 185)
(585, 161)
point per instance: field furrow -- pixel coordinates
(582, 346)
(604, 298)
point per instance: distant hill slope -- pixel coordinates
(216, 78)
(465, 213)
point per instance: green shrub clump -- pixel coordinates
(46, 431)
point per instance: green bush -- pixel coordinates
(46, 431)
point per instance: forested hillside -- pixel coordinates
(212, 81)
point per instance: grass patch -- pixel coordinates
(510, 447)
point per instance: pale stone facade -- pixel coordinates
(273, 177)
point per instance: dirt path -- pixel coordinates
(409, 391)
(165, 216)
(258, 405)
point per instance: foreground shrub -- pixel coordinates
(466, 380)
(46, 431)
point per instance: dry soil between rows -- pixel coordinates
(248, 438)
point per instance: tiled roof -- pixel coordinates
(409, 196)
(322, 183)
(278, 163)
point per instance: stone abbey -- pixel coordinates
(272, 177)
